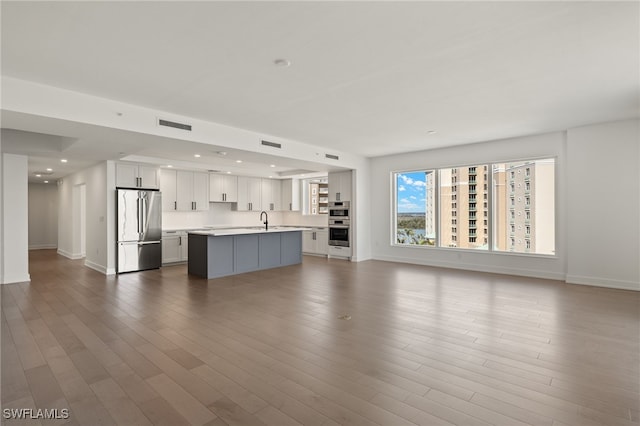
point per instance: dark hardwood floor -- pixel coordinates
(422, 346)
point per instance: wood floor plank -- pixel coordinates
(189, 407)
(116, 401)
(423, 346)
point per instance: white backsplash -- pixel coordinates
(221, 214)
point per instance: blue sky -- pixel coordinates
(411, 192)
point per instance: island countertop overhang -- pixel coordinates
(244, 231)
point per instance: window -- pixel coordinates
(454, 216)
(426, 209)
(541, 223)
(414, 206)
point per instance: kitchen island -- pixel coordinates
(221, 252)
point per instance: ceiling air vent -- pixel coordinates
(332, 157)
(173, 124)
(272, 144)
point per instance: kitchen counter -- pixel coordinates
(242, 231)
(221, 252)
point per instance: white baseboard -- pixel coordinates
(532, 273)
(16, 278)
(111, 271)
(73, 256)
(43, 247)
(95, 267)
(603, 282)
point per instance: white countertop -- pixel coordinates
(241, 231)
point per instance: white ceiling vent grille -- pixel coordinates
(332, 157)
(174, 124)
(272, 144)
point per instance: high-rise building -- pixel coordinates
(524, 207)
(464, 207)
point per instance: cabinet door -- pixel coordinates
(149, 178)
(200, 191)
(340, 186)
(184, 190)
(168, 189)
(243, 193)
(286, 187)
(183, 243)
(216, 188)
(255, 193)
(230, 188)
(308, 242)
(322, 241)
(126, 175)
(171, 251)
(276, 195)
(266, 194)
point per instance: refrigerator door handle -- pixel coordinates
(144, 243)
(138, 215)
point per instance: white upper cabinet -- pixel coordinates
(130, 175)
(340, 186)
(271, 196)
(249, 193)
(169, 190)
(200, 191)
(223, 188)
(290, 194)
(184, 190)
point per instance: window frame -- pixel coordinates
(490, 193)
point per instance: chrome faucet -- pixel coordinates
(266, 220)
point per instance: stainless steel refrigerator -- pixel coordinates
(139, 229)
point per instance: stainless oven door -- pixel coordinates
(339, 236)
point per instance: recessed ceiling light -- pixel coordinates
(272, 165)
(270, 176)
(238, 161)
(38, 175)
(49, 169)
(46, 181)
(282, 62)
(196, 155)
(63, 160)
(169, 165)
(431, 132)
(228, 173)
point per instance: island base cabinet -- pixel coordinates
(209, 258)
(291, 248)
(218, 256)
(270, 247)
(247, 251)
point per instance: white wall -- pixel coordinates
(604, 203)
(43, 216)
(547, 145)
(15, 223)
(100, 216)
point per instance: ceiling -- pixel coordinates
(370, 78)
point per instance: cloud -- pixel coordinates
(416, 184)
(413, 197)
(402, 188)
(404, 200)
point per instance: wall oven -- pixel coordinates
(339, 232)
(339, 210)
